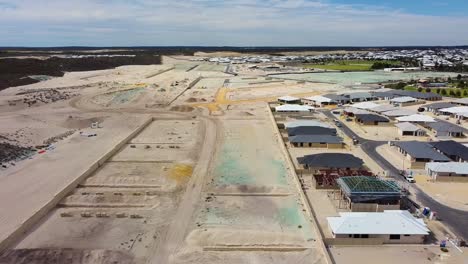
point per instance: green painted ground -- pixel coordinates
(352, 78)
(126, 96)
(235, 169)
(347, 65)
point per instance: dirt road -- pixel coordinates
(174, 237)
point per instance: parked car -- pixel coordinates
(408, 176)
(410, 179)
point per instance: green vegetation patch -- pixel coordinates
(354, 65)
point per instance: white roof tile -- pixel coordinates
(365, 105)
(387, 222)
(319, 99)
(415, 118)
(406, 126)
(455, 110)
(403, 99)
(449, 167)
(293, 107)
(288, 98)
(298, 123)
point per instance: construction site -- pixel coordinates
(184, 162)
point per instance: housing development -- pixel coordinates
(235, 157)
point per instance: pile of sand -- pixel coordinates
(224, 237)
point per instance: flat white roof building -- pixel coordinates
(318, 99)
(388, 222)
(294, 108)
(384, 108)
(416, 118)
(365, 105)
(455, 110)
(447, 169)
(462, 101)
(403, 99)
(407, 126)
(306, 123)
(399, 112)
(288, 98)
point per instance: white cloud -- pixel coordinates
(212, 22)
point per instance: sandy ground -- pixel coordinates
(398, 254)
(127, 204)
(392, 154)
(452, 194)
(245, 209)
(205, 182)
(34, 182)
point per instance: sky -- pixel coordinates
(41, 23)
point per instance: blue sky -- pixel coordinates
(233, 23)
(426, 7)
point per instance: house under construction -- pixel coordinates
(367, 194)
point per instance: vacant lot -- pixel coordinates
(128, 203)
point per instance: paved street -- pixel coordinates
(456, 220)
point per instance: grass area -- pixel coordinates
(346, 65)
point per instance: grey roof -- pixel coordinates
(371, 118)
(419, 95)
(307, 130)
(399, 112)
(452, 149)
(316, 139)
(355, 111)
(415, 94)
(437, 106)
(332, 160)
(358, 95)
(336, 97)
(384, 95)
(407, 126)
(384, 108)
(444, 128)
(421, 150)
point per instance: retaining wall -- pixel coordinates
(34, 219)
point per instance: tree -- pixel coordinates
(458, 93)
(428, 90)
(443, 92)
(452, 93)
(465, 93)
(400, 86)
(449, 79)
(461, 84)
(438, 90)
(420, 89)
(459, 77)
